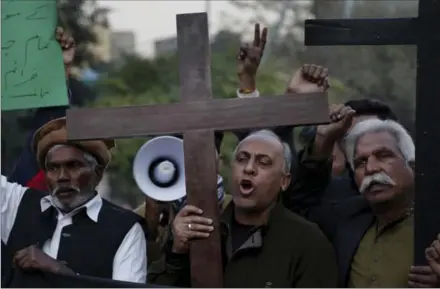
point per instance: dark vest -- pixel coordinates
(86, 247)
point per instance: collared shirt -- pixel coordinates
(130, 261)
(384, 257)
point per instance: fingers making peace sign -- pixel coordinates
(250, 55)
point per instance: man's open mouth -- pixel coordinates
(246, 187)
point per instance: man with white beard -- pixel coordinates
(70, 229)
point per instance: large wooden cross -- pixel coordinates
(197, 116)
(423, 32)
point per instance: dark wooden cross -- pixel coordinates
(423, 32)
(197, 116)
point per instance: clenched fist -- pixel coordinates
(308, 79)
(68, 47)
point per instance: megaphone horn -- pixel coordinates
(159, 170)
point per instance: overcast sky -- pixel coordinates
(152, 20)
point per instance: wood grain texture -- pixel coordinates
(197, 116)
(194, 56)
(201, 186)
(200, 172)
(218, 114)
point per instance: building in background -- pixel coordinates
(101, 29)
(122, 42)
(165, 46)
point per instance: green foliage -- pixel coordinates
(382, 72)
(142, 81)
(78, 16)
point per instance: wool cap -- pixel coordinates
(54, 133)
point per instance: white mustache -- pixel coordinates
(379, 178)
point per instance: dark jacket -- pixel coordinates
(340, 188)
(343, 221)
(287, 252)
(87, 247)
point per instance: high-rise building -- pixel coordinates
(101, 49)
(100, 28)
(165, 46)
(122, 42)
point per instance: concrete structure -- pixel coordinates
(100, 28)
(102, 48)
(122, 42)
(165, 46)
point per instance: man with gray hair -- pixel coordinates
(373, 232)
(264, 244)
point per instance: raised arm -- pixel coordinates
(26, 171)
(11, 195)
(311, 168)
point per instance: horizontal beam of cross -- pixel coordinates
(217, 114)
(331, 32)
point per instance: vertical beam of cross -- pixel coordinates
(405, 31)
(196, 116)
(427, 191)
(195, 84)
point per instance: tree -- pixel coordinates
(143, 81)
(78, 16)
(285, 20)
(387, 72)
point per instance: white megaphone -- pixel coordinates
(159, 169)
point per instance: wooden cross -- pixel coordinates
(197, 116)
(420, 31)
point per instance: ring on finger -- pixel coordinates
(189, 227)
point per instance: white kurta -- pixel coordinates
(130, 261)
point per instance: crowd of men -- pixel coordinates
(338, 213)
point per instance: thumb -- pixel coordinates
(349, 117)
(434, 265)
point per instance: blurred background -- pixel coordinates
(127, 56)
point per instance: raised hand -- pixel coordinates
(341, 117)
(249, 57)
(308, 79)
(68, 46)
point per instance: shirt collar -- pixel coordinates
(92, 207)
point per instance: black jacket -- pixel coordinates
(344, 220)
(286, 252)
